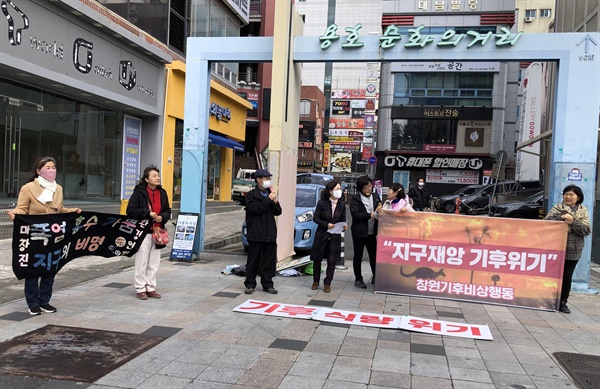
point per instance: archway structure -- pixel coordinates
(575, 132)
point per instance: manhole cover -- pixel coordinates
(71, 353)
(583, 368)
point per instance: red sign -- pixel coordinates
(367, 152)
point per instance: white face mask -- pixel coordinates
(337, 193)
(421, 184)
(266, 184)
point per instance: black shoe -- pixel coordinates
(249, 290)
(270, 290)
(360, 284)
(563, 307)
(48, 308)
(35, 311)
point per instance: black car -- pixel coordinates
(479, 201)
(526, 209)
(446, 203)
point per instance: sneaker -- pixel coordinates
(341, 267)
(48, 308)
(35, 311)
(270, 290)
(563, 307)
(360, 284)
(249, 290)
(153, 295)
(142, 296)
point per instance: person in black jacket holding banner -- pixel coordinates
(262, 206)
(40, 196)
(148, 200)
(363, 208)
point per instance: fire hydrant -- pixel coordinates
(457, 203)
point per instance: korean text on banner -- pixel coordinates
(43, 244)
(511, 262)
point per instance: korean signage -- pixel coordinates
(33, 34)
(532, 90)
(185, 234)
(346, 123)
(340, 107)
(366, 319)
(452, 66)
(131, 155)
(43, 244)
(495, 260)
(306, 134)
(446, 176)
(220, 113)
(326, 154)
(348, 94)
(433, 162)
(447, 5)
(392, 38)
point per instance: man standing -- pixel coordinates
(420, 196)
(262, 206)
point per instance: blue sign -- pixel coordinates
(575, 175)
(131, 155)
(185, 235)
(372, 160)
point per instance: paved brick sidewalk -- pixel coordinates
(210, 346)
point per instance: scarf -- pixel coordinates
(155, 206)
(49, 188)
(333, 205)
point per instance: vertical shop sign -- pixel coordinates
(131, 155)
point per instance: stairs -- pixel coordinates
(243, 162)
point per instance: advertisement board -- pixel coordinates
(185, 234)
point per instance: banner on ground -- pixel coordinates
(514, 262)
(331, 315)
(43, 244)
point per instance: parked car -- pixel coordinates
(307, 196)
(479, 201)
(313, 178)
(526, 209)
(446, 203)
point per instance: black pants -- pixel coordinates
(262, 260)
(38, 290)
(566, 281)
(318, 259)
(370, 242)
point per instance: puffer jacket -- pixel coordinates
(260, 217)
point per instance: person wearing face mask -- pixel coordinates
(364, 207)
(397, 200)
(40, 196)
(262, 205)
(329, 211)
(420, 196)
(572, 212)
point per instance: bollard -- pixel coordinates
(457, 202)
(340, 263)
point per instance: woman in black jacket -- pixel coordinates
(363, 208)
(329, 211)
(148, 200)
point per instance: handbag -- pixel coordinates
(160, 236)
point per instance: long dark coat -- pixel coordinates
(322, 218)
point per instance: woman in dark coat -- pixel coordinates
(572, 212)
(148, 200)
(329, 211)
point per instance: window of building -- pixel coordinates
(304, 107)
(412, 134)
(545, 13)
(530, 13)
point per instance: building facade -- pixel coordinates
(81, 85)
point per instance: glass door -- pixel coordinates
(20, 145)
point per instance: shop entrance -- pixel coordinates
(21, 144)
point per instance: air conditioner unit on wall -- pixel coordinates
(529, 19)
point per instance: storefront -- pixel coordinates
(73, 91)
(227, 123)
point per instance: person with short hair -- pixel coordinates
(262, 205)
(148, 201)
(363, 208)
(420, 196)
(40, 196)
(572, 212)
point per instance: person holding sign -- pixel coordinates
(363, 208)
(572, 212)
(40, 196)
(148, 200)
(330, 211)
(397, 200)
(262, 205)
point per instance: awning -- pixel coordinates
(224, 142)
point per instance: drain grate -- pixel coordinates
(583, 368)
(71, 353)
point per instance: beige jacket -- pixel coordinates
(28, 204)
